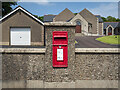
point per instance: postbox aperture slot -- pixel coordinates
(59, 38)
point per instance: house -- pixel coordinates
(111, 28)
(86, 22)
(20, 27)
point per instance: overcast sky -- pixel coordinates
(98, 8)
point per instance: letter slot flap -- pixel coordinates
(60, 38)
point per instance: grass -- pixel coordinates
(114, 39)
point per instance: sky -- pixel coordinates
(97, 8)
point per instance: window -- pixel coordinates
(78, 23)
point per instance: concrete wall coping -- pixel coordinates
(97, 50)
(22, 50)
(42, 50)
(59, 24)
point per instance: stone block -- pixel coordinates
(35, 84)
(59, 84)
(13, 84)
(96, 84)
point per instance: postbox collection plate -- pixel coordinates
(59, 54)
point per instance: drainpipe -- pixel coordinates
(102, 29)
(107, 31)
(112, 31)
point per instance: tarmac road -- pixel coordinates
(90, 42)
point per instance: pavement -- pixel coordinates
(91, 42)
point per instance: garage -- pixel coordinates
(20, 36)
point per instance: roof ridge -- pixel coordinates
(63, 11)
(97, 15)
(88, 11)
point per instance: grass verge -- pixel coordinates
(114, 39)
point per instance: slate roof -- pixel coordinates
(118, 24)
(85, 13)
(113, 24)
(99, 18)
(48, 18)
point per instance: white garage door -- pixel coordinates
(20, 36)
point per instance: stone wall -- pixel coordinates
(96, 66)
(23, 66)
(34, 69)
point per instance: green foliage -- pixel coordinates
(118, 20)
(110, 19)
(6, 7)
(104, 19)
(40, 18)
(75, 13)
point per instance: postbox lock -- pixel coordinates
(59, 46)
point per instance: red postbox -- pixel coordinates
(60, 49)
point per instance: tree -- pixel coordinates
(75, 13)
(40, 18)
(111, 19)
(118, 20)
(6, 7)
(104, 19)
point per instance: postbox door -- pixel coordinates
(60, 56)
